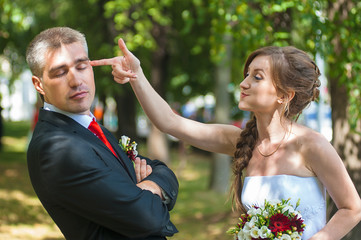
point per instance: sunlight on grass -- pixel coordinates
(34, 232)
(12, 144)
(19, 196)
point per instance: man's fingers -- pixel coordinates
(143, 169)
(149, 170)
(137, 169)
(104, 62)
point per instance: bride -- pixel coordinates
(279, 158)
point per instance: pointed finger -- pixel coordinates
(105, 62)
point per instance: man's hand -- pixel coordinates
(142, 169)
(151, 186)
(124, 67)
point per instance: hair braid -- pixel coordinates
(242, 156)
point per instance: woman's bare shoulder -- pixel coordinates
(307, 136)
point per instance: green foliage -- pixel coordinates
(340, 44)
(14, 22)
(193, 32)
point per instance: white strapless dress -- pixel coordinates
(309, 190)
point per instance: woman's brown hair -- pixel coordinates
(292, 70)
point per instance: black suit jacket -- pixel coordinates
(89, 193)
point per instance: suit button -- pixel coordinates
(169, 227)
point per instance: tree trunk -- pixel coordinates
(157, 144)
(346, 142)
(221, 163)
(126, 113)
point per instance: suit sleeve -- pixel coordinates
(81, 181)
(165, 178)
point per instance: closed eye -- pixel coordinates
(82, 66)
(60, 73)
(258, 77)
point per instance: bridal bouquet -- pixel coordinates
(276, 220)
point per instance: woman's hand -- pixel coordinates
(124, 67)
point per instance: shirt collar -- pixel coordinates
(82, 119)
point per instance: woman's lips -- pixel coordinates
(243, 95)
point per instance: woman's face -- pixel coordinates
(258, 94)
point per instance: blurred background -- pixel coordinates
(193, 53)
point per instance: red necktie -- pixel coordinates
(95, 128)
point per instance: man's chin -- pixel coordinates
(79, 109)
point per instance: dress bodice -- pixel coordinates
(309, 190)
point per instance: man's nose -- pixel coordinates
(74, 79)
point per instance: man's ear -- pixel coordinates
(38, 85)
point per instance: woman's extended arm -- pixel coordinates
(220, 138)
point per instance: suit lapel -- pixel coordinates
(121, 154)
(68, 124)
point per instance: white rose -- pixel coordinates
(295, 236)
(254, 211)
(247, 236)
(285, 237)
(240, 235)
(255, 232)
(253, 221)
(265, 232)
(124, 140)
(247, 227)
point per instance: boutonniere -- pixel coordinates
(130, 148)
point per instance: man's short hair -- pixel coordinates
(50, 39)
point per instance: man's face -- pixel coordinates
(68, 79)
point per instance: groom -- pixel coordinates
(84, 180)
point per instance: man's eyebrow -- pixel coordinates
(84, 59)
(79, 60)
(53, 69)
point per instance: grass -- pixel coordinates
(199, 212)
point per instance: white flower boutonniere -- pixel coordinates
(130, 148)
